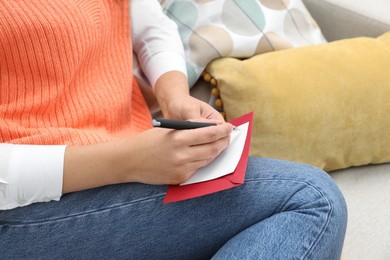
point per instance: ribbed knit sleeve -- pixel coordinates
(66, 73)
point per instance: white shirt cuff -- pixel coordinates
(156, 40)
(34, 174)
(161, 63)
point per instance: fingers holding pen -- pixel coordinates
(204, 144)
(210, 134)
(176, 154)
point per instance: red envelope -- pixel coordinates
(178, 193)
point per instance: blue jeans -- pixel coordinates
(282, 211)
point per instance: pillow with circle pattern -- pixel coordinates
(213, 29)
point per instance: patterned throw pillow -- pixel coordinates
(212, 29)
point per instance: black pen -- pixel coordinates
(179, 124)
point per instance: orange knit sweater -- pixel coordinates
(66, 73)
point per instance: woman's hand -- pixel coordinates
(156, 156)
(172, 93)
(186, 107)
(164, 156)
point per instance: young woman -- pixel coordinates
(83, 173)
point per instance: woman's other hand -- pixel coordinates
(172, 93)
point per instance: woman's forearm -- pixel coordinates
(90, 166)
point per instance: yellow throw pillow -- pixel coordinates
(326, 105)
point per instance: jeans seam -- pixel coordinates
(82, 214)
(330, 206)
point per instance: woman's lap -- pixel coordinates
(282, 207)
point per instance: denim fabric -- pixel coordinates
(283, 211)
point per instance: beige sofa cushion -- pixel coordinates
(340, 19)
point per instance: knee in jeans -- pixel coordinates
(333, 194)
(310, 175)
(323, 183)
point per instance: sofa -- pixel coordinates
(366, 188)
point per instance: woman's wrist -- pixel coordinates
(91, 166)
(170, 86)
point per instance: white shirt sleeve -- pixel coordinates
(30, 173)
(156, 40)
